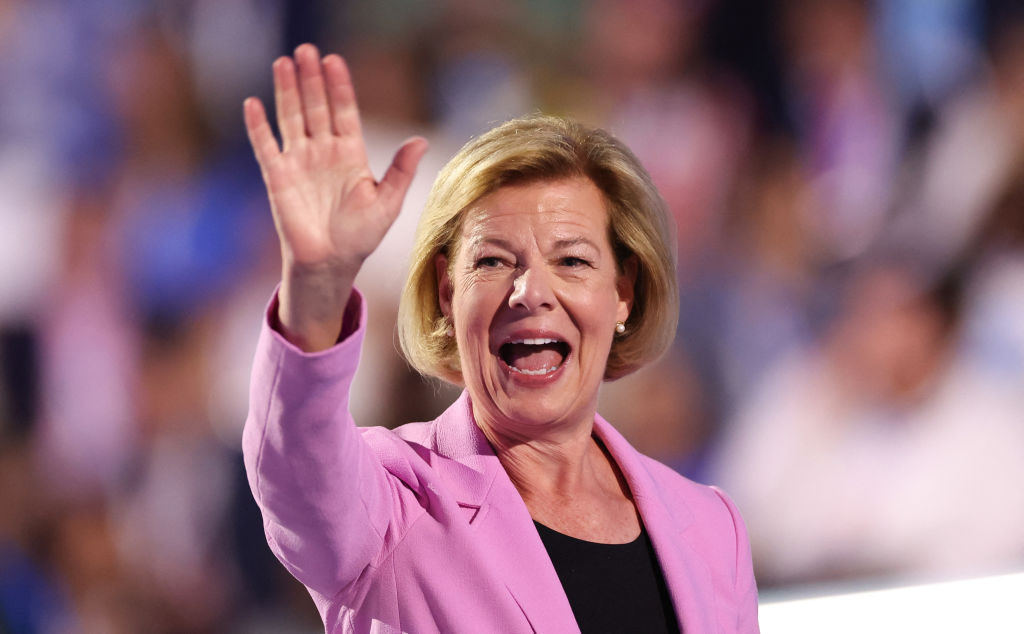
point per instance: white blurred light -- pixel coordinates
(993, 605)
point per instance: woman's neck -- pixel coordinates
(562, 466)
(569, 482)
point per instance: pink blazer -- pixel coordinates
(420, 529)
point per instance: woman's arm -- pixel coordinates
(326, 500)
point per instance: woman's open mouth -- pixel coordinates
(534, 357)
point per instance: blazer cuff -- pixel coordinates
(353, 329)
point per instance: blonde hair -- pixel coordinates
(533, 149)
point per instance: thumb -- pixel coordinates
(395, 183)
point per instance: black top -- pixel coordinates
(615, 588)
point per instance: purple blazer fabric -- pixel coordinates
(420, 529)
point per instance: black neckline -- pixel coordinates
(541, 528)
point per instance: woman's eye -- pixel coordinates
(489, 262)
(574, 262)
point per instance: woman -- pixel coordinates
(541, 268)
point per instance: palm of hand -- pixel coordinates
(329, 212)
(326, 206)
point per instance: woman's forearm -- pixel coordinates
(321, 491)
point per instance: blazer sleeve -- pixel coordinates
(325, 498)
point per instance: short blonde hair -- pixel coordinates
(533, 149)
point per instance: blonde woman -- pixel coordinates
(543, 267)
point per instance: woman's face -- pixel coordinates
(534, 294)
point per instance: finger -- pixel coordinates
(288, 102)
(261, 137)
(311, 88)
(396, 181)
(342, 96)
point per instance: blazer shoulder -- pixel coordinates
(418, 433)
(706, 501)
(670, 480)
(399, 448)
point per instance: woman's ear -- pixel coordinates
(444, 284)
(625, 284)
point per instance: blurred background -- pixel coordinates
(847, 180)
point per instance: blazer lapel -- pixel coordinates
(501, 521)
(497, 514)
(686, 574)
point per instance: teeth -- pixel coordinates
(538, 341)
(535, 372)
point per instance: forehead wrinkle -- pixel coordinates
(483, 224)
(480, 229)
(478, 240)
(565, 243)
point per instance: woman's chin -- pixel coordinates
(538, 400)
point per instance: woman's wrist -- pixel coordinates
(311, 309)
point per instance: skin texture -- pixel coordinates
(535, 261)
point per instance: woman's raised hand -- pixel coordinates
(329, 211)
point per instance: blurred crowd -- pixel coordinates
(847, 181)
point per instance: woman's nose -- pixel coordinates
(532, 290)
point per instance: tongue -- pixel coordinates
(530, 357)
